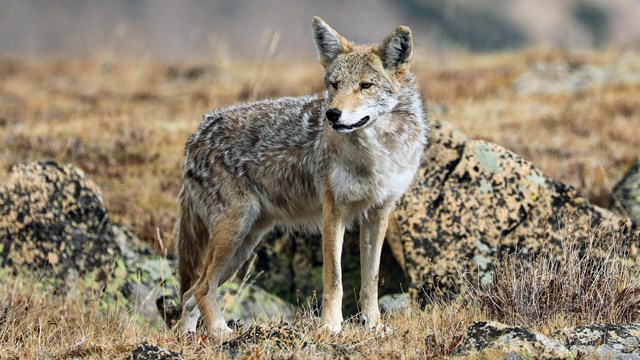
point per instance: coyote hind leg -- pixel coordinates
(228, 233)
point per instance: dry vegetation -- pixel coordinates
(39, 325)
(124, 122)
(541, 293)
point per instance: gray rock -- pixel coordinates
(626, 194)
(251, 303)
(395, 303)
(243, 303)
(515, 342)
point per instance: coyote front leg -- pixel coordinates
(372, 230)
(332, 238)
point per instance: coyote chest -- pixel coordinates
(374, 172)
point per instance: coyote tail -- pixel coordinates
(191, 236)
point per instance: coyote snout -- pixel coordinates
(312, 162)
(333, 115)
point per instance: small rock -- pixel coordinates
(146, 351)
(189, 73)
(247, 303)
(516, 342)
(280, 335)
(395, 303)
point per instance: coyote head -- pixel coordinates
(362, 81)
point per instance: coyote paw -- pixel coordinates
(331, 326)
(183, 330)
(372, 322)
(221, 333)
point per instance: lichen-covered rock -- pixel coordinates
(606, 340)
(515, 341)
(54, 227)
(474, 201)
(626, 194)
(269, 335)
(146, 351)
(251, 303)
(53, 221)
(244, 302)
(290, 266)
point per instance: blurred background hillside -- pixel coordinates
(190, 28)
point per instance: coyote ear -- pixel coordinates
(396, 49)
(328, 42)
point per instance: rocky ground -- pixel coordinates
(487, 255)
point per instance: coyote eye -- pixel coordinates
(365, 85)
(334, 85)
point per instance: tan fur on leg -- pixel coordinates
(332, 238)
(372, 231)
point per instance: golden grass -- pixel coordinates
(39, 324)
(125, 122)
(36, 322)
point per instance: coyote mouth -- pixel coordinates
(346, 128)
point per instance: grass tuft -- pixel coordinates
(576, 283)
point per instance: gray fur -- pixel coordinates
(328, 42)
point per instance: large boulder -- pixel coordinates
(626, 194)
(471, 203)
(474, 201)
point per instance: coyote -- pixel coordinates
(313, 162)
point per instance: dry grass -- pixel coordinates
(586, 283)
(37, 324)
(125, 122)
(547, 293)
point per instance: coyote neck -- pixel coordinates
(376, 164)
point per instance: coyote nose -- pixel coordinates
(333, 115)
